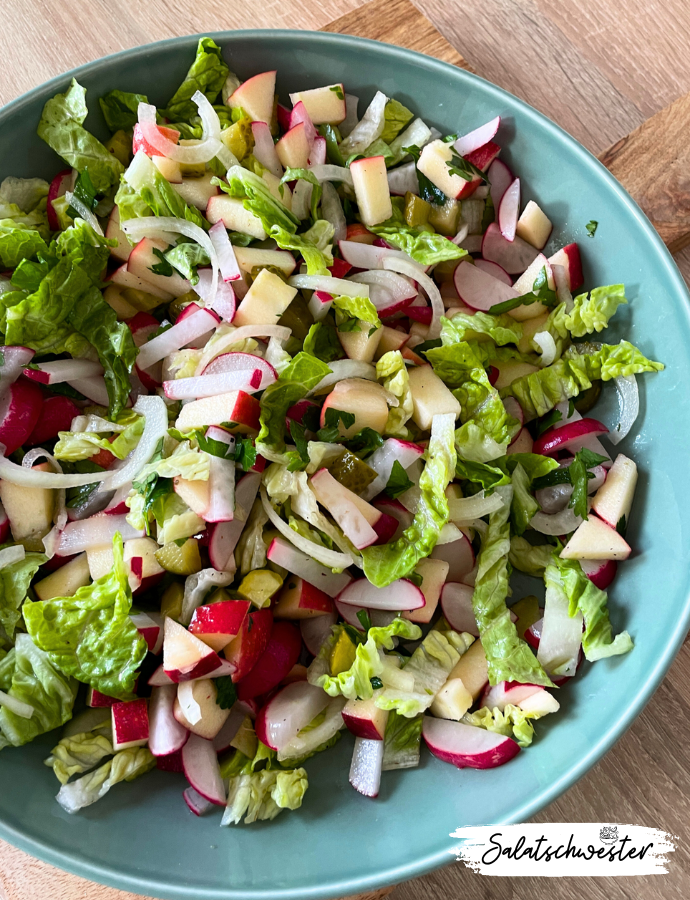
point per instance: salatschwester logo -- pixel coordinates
(564, 849)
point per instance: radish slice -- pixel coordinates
(371, 256)
(560, 276)
(181, 334)
(500, 177)
(472, 141)
(316, 630)
(629, 397)
(202, 771)
(480, 289)
(265, 150)
(366, 766)
(411, 269)
(223, 344)
(166, 735)
(467, 745)
(319, 305)
(493, 269)
(317, 156)
(96, 531)
(195, 802)
(513, 256)
(242, 362)
(221, 490)
(227, 261)
(223, 302)
(568, 436)
(93, 388)
(467, 508)
(456, 603)
(247, 380)
(288, 712)
(508, 210)
(397, 596)
(63, 370)
(226, 534)
(298, 116)
(349, 612)
(383, 459)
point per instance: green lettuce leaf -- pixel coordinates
(475, 445)
(206, 74)
(76, 445)
(314, 245)
(90, 635)
(61, 127)
(481, 473)
(124, 766)
(402, 742)
(27, 194)
(121, 109)
(322, 342)
(392, 373)
(583, 596)
(396, 117)
(358, 308)
(258, 199)
(175, 519)
(301, 376)
(386, 563)
(512, 722)
(531, 559)
(308, 176)
(425, 247)
(36, 681)
(262, 795)
(14, 585)
(508, 657)
(79, 753)
(157, 197)
(18, 242)
(523, 505)
(186, 258)
(463, 326)
(592, 313)
(539, 392)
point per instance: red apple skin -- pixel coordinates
(385, 528)
(5, 535)
(170, 763)
(96, 700)
(141, 326)
(577, 279)
(56, 415)
(53, 194)
(219, 620)
(298, 599)
(104, 458)
(482, 158)
(360, 234)
(148, 582)
(363, 728)
(23, 414)
(281, 654)
(246, 414)
(246, 649)
(203, 667)
(130, 721)
(340, 267)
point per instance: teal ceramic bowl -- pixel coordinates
(141, 837)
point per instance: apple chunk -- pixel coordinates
(300, 600)
(255, 96)
(433, 163)
(364, 719)
(66, 580)
(534, 226)
(293, 147)
(594, 539)
(30, 511)
(197, 710)
(370, 181)
(325, 105)
(235, 407)
(433, 573)
(185, 657)
(613, 500)
(216, 624)
(130, 724)
(265, 301)
(430, 397)
(231, 212)
(366, 400)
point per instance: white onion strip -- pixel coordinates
(33, 478)
(18, 707)
(181, 334)
(332, 211)
(466, 509)
(155, 428)
(560, 523)
(544, 340)
(199, 153)
(227, 261)
(411, 269)
(60, 517)
(397, 286)
(223, 344)
(328, 284)
(11, 555)
(326, 557)
(327, 172)
(83, 212)
(629, 397)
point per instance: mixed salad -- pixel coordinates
(287, 392)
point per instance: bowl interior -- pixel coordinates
(141, 837)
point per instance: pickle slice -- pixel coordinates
(352, 472)
(259, 586)
(342, 654)
(184, 560)
(588, 398)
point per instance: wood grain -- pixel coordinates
(598, 68)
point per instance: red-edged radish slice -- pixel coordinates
(467, 746)
(513, 256)
(493, 269)
(63, 370)
(201, 769)
(500, 695)
(226, 534)
(187, 328)
(93, 389)
(460, 557)
(383, 459)
(20, 411)
(265, 150)
(366, 766)
(399, 595)
(500, 177)
(196, 803)
(533, 634)
(288, 712)
(473, 140)
(317, 156)
(316, 630)
(349, 612)
(247, 380)
(59, 186)
(241, 362)
(480, 290)
(508, 210)
(567, 436)
(422, 314)
(600, 572)
(166, 735)
(285, 554)
(299, 114)
(319, 304)
(456, 603)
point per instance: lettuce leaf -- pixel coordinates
(463, 326)
(121, 109)
(27, 194)
(258, 199)
(124, 766)
(532, 559)
(386, 563)
(523, 505)
(79, 753)
(206, 74)
(425, 247)
(186, 258)
(76, 445)
(263, 795)
(474, 444)
(157, 197)
(90, 635)
(322, 342)
(512, 722)
(14, 585)
(396, 117)
(314, 245)
(402, 742)
(583, 596)
(391, 371)
(18, 241)
(593, 312)
(186, 461)
(36, 681)
(509, 658)
(300, 376)
(539, 392)
(357, 308)
(61, 127)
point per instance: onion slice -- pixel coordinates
(468, 508)
(544, 339)
(345, 368)
(18, 707)
(84, 212)
(411, 269)
(154, 410)
(327, 172)
(560, 523)
(629, 396)
(328, 284)
(32, 478)
(227, 261)
(11, 555)
(181, 334)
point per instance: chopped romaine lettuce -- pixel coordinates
(206, 74)
(463, 327)
(79, 753)
(392, 373)
(75, 445)
(512, 722)
(402, 742)
(124, 766)
(14, 585)
(531, 559)
(425, 247)
(120, 109)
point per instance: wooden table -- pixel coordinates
(599, 68)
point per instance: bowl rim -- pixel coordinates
(72, 861)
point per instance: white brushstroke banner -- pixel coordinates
(557, 849)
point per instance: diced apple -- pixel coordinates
(185, 657)
(534, 226)
(114, 233)
(529, 328)
(433, 163)
(246, 648)
(140, 558)
(231, 212)
(371, 189)
(366, 400)
(216, 624)
(433, 573)
(194, 493)
(65, 581)
(293, 148)
(430, 397)
(541, 702)
(100, 560)
(511, 369)
(364, 719)
(197, 191)
(196, 709)
(255, 96)
(452, 701)
(361, 344)
(237, 408)
(265, 301)
(169, 168)
(130, 724)
(250, 257)
(338, 501)
(143, 258)
(472, 670)
(594, 539)
(300, 600)
(126, 279)
(613, 500)
(113, 296)
(569, 258)
(391, 339)
(324, 104)
(96, 700)
(524, 285)
(30, 511)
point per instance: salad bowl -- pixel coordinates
(340, 842)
